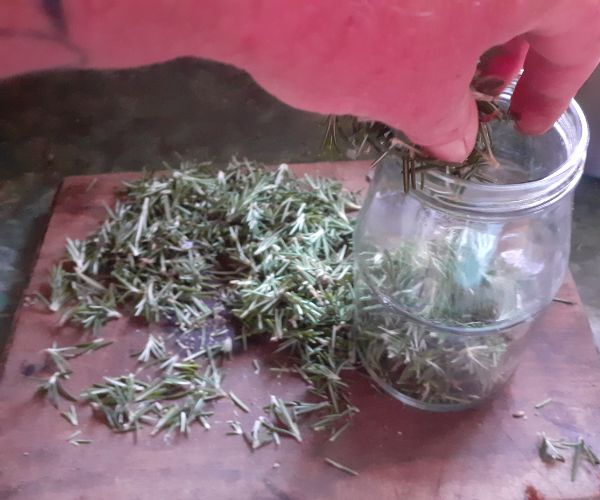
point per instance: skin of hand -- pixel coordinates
(408, 63)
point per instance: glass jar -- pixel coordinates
(450, 276)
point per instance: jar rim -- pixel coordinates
(571, 163)
(454, 194)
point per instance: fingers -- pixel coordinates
(500, 65)
(497, 69)
(554, 70)
(443, 120)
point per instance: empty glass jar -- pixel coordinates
(450, 276)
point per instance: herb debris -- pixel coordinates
(549, 451)
(341, 467)
(272, 249)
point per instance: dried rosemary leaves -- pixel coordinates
(281, 262)
(423, 363)
(273, 249)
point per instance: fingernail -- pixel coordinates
(454, 151)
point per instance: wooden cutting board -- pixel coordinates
(400, 453)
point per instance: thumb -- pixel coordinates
(456, 132)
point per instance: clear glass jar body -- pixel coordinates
(450, 276)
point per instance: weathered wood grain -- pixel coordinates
(399, 452)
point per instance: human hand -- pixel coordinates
(410, 63)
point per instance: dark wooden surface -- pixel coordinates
(400, 453)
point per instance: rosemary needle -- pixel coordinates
(238, 402)
(74, 434)
(339, 432)
(71, 416)
(341, 467)
(563, 301)
(91, 184)
(541, 404)
(77, 442)
(579, 448)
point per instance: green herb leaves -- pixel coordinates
(273, 249)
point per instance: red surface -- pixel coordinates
(399, 452)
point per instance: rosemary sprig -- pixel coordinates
(173, 400)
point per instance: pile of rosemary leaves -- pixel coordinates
(188, 248)
(191, 247)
